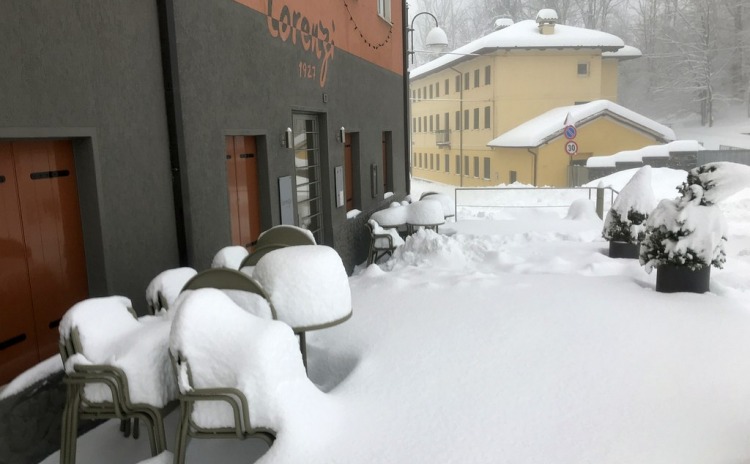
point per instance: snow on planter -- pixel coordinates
(307, 285)
(225, 346)
(625, 221)
(230, 257)
(168, 283)
(689, 231)
(111, 335)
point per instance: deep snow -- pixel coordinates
(520, 341)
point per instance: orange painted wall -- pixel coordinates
(351, 25)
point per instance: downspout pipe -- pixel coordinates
(407, 105)
(170, 74)
(534, 158)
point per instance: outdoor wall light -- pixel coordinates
(287, 140)
(341, 136)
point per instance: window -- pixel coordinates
(437, 161)
(466, 166)
(458, 120)
(466, 119)
(419, 157)
(447, 81)
(466, 81)
(430, 90)
(432, 164)
(437, 89)
(414, 95)
(424, 92)
(487, 75)
(384, 9)
(476, 118)
(413, 124)
(458, 83)
(487, 117)
(476, 166)
(447, 163)
(487, 169)
(458, 164)
(437, 122)
(476, 78)
(447, 122)
(424, 123)
(583, 69)
(432, 128)
(513, 176)
(420, 124)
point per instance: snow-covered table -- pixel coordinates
(308, 288)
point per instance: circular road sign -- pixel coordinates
(570, 132)
(571, 147)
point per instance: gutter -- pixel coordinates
(170, 74)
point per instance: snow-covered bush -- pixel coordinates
(690, 231)
(625, 221)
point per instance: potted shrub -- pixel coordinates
(686, 236)
(624, 226)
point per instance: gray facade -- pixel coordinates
(92, 72)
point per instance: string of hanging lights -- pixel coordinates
(367, 41)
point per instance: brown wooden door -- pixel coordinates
(48, 216)
(349, 172)
(244, 189)
(18, 346)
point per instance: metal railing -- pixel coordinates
(485, 201)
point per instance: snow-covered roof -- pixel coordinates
(524, 35)
(657, 151)
(628, 52)
(549, 125)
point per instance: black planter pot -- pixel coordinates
(624, 250)
(671, 279)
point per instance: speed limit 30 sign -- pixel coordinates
(571, 147)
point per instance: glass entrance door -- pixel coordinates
(307, 170)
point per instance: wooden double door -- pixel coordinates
(42, 260)
(244, 189)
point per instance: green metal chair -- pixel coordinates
(227, 279)
(381, 243)
(253, 258)
(187, 428)
(285, 235)
(77, 406)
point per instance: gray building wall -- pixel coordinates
(91, 71)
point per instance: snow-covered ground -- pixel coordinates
(519, 341)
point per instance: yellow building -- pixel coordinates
(467, 98)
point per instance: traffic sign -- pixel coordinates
(570, 132)
(571, 147)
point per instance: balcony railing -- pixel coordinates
(443, 137)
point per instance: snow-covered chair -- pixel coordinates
(229, 365)
(285, 235)
(164, 289)
(229, 257)
(116, 366)
(259, 252)
(382, 241)
(240, 287)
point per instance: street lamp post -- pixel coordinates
(436, 40)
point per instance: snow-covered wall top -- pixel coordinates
(660, 151)
(525, 34)
(626, 52)
(549, 125)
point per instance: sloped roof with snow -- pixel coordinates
(628, 52)
(654, 151)
(549, 125)
(524, 35)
